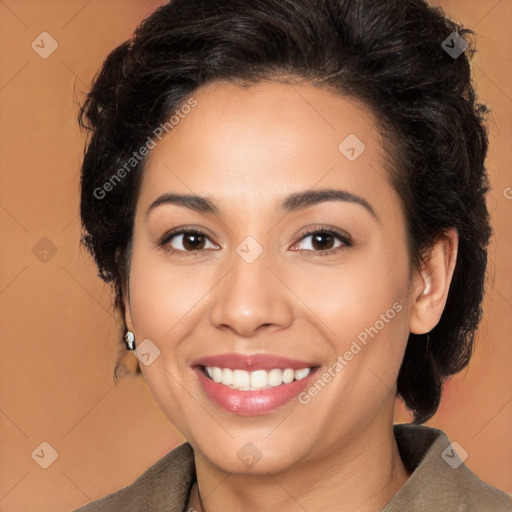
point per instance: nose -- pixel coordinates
(251, 299)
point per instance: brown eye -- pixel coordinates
(322, 241)
(193, 242)
(187, 241)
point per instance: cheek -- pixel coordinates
(161, 296)
(358, 294)
(366, 307)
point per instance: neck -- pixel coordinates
(361, 474)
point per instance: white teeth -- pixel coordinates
(288, 376)
(259, 379)
(300, 374)
(256, 380)
(275, 377)
(240, 379)
(217, 374)
(227, 377)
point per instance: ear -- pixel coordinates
(431, 284)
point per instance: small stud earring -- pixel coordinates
(130, 340)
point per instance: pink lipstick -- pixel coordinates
(252, 384)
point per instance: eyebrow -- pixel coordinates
(299, 200)
(196, 203)
(293, 202)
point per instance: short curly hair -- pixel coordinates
(387, 54)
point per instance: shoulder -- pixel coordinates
(440, 480)
(163, 487)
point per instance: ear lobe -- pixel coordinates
(432, 284)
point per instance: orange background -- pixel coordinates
(59, 341)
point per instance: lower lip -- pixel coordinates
(251, 403)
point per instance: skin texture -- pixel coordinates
(246, 149)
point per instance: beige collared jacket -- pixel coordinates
(439, 482)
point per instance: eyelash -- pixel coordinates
(180, 231)
(343, 237)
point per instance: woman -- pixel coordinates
(288, 198)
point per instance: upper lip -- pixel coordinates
(251, 362)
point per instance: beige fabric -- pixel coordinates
(434, 485)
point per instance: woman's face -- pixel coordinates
(277, 279)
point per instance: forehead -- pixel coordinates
(264, 141)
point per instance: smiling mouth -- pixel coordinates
(256, 380)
